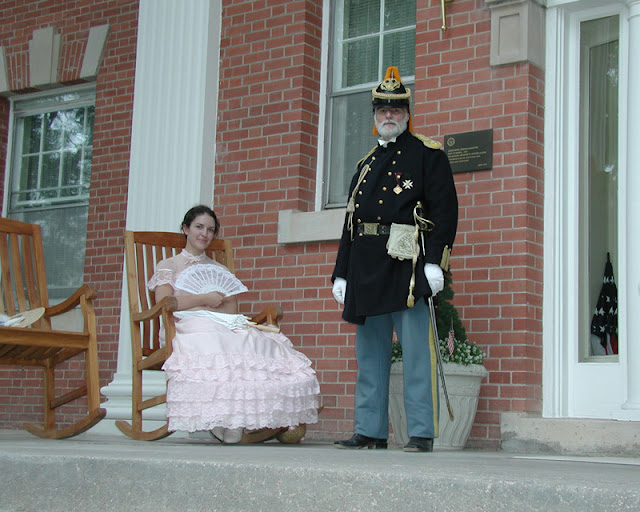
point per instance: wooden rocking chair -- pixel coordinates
(24, 289)
(143, 251)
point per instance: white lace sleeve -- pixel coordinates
(165, 274)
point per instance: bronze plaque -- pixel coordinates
(470, 151)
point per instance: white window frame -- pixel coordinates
(88, 97)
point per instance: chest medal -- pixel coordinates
(398, 189)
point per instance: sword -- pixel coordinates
(434, 330)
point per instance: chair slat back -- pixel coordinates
(143, 251)
(22, 272)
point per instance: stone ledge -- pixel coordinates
(525, 433)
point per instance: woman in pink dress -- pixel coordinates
(223, 374)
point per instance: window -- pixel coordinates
(367, 37)
(50, 176)
(598, 176)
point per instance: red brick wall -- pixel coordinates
(20, 391)
(497, 258)
(266, 162)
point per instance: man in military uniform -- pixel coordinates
(380, 292)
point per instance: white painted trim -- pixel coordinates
(629, 290)
(322, 104)
(562, 374)
(300, 227)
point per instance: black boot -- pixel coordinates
(419, 444)
(360, 441)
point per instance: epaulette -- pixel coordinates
(430, 143)
(366, 156)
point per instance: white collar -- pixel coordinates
(193, 257)
(384, 143)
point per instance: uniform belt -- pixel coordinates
(373, 228)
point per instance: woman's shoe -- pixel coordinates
(217, 433)
(232, 435)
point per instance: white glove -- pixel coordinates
(435, 277)
(339, 289)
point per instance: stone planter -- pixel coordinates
(463, 386)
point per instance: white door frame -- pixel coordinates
(606, 388)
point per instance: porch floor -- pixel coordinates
(97, 472)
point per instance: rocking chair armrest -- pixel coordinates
(169, 304)
(84, 291)
(271, 315)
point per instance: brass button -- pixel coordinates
(380, 202)
(399, 152)
(379, 218)
(384, 189)
(359, 221)
(359, 234)
(394, 162)
(389, 173)
(360, 192)
(357, 206)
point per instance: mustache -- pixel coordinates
(389, 124)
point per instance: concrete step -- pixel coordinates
(107, 472)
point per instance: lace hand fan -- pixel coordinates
(209, 278)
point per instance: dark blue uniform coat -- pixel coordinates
(376, 282)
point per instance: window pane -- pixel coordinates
(32, 130)
(29, 173)
(52, 132)
(71, 168)
(399, 13)
(50, 170)
(361, 17)
(360, 62)
(598, 171)
(88, 129)
(400, 50)
(64, 234)
(352, 119)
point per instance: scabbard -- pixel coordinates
(434, 330)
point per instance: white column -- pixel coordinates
(172, 146)
(632, 307)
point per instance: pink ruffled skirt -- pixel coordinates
(241, 378)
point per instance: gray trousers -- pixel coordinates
(373, 353)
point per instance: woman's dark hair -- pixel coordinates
(199, 210)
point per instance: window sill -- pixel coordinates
(299, 227)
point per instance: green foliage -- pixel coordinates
(465, 352)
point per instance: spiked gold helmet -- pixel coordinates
(391, 93)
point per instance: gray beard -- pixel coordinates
(389, 132)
